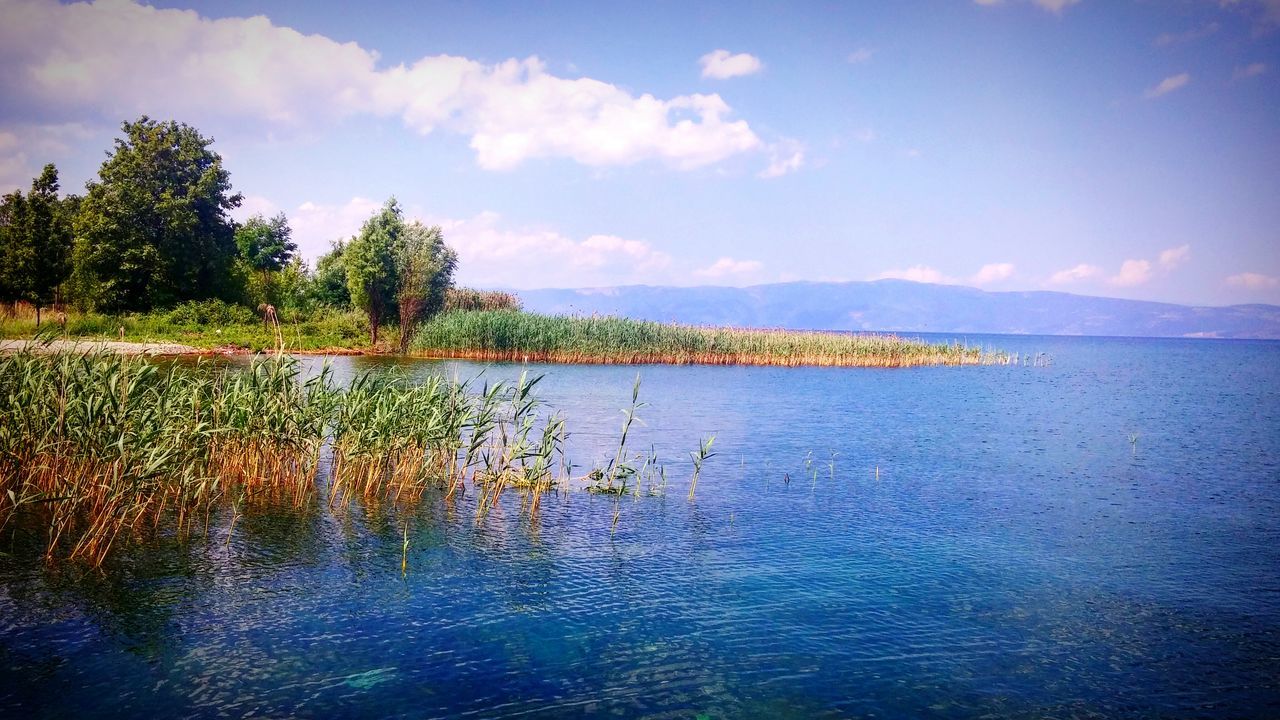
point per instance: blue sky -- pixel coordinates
(1129, 149)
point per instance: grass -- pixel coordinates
(519, 336)
(98, 448)
(207, 325)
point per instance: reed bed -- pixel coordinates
(512, 335)
(96, 448)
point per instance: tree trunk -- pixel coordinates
(37, 316)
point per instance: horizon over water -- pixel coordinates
(1098, 537)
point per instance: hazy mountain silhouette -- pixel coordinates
(900, 305)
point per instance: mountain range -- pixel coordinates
(904, 306)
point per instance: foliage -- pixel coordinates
(266, 245)
(470, 299)
(153, 230)
(100, 449)
(35, 242)
(511, 335)
(211, 324)
(426, 268)
(371, 260)
(329, 285)
(211, 312)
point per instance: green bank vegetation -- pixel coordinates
(514, 335)
(97, 450)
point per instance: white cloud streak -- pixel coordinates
(1054, 6)
(1132, 272)
(1173, 257)
(1167, 85)
(916, 273)
(992, 273)
(722, 64)
(728, 268)
(1079, 273)
(1253, 281)
(785, 156)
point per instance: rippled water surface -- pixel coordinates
(1015, 555)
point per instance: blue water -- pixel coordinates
(990, 543)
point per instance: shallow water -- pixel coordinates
(1016, 556)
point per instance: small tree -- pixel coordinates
(35, 243)
(329, 287)
(265, 246)
(371, 260)
(426, 274)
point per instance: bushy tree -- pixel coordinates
(35, 242)
(329, 286)
(265, 248)
(153, 230)
(426, 273)
(266, 245)
(372, 264)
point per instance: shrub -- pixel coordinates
(211, 312)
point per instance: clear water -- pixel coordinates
(1017, 556)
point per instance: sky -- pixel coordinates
(1102, 147)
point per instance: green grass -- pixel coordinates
(513, 335)
(215, 325)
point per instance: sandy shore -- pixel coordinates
(101, 346)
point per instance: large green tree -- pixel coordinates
(426, 268)
(35, 242)
(372, 262)
(153, 230)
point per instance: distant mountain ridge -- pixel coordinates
(904, 306)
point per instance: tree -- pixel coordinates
(153, 230)
(371, 260)
(330, 284)
(266, 245)
(426, 268)
(265, 248)
(35, 248)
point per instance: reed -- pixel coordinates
(96, 448)
(512, 335)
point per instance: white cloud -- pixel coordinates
(1165, 39)
(1250, 70)
(24, 150)
(860, 55)
(316, 225)
(1174, 257)
(722, 64)
(992, 273)
(1253, 281)
(1167, 85)
(785, 156)
(727, 267)
(1132, 272)
(1079, 273)
(116, 58)
(1053, 6)
(916, 273)
(493, 255)
(1265, 13)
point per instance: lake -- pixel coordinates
(1095, 538)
